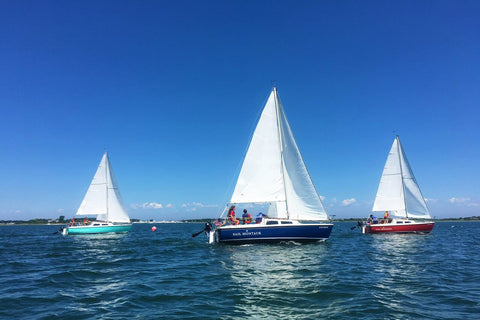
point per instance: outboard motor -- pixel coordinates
(208, 227)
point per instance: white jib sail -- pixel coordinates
(416, 205)
(273, 170)
(103, 196)
(398, 191)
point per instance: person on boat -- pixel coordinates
(231, 216)
(370, 220)
(218, 223)
(374, 219)
(260, 216)
(247, 218)
(385, 217)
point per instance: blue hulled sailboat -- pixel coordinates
(274, 176)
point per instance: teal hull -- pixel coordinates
(99, 229)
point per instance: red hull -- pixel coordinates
(400, 228)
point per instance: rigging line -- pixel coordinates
(282, 159)
(401, 172)
(107, 165)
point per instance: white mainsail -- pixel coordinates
(103, 196)
(274, 172)
(398, 191)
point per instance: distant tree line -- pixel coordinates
(60, 219)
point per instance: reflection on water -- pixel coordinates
(399, 269)
(396, 253)
(277, 280)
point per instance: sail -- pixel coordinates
(390, 190)
(261, 179)
(303, 202)
(103, 196)
(398, 191)
(416, 205)
(278, 210)
(273, 170)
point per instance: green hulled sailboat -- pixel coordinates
(103, 200)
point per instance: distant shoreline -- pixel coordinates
(26, 223)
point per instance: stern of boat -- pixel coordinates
(213, 236)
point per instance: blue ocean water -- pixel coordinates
(167, 274)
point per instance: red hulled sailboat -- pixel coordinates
(400, 197)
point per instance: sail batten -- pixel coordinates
(103, 197)
(274, 171)
(398, 190)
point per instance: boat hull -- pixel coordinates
(74, 230)
(399, 228)
(271, 234)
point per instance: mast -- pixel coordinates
(401, 176)
(281, 149)
(106, 181)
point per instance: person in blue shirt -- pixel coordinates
(370, 220)
(260, 216)
(247, 218)
(375, 221)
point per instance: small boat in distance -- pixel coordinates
(103, 199)
(274, 176)
(400, 197)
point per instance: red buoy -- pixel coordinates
(154, 228)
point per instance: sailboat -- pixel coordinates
(102, 199)
(274, 176)
(399, 195)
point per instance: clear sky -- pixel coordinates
(173, 90)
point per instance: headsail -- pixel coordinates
(415, 202)
(398, 190)
(103, 196)
(274, 172)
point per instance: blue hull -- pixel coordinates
(277, 233)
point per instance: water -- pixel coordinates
(168, 275)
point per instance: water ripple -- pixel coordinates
(167, 274)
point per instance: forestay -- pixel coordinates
(398, 191)
(274, 172)
(103, 196)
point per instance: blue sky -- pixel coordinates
(173, 90)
